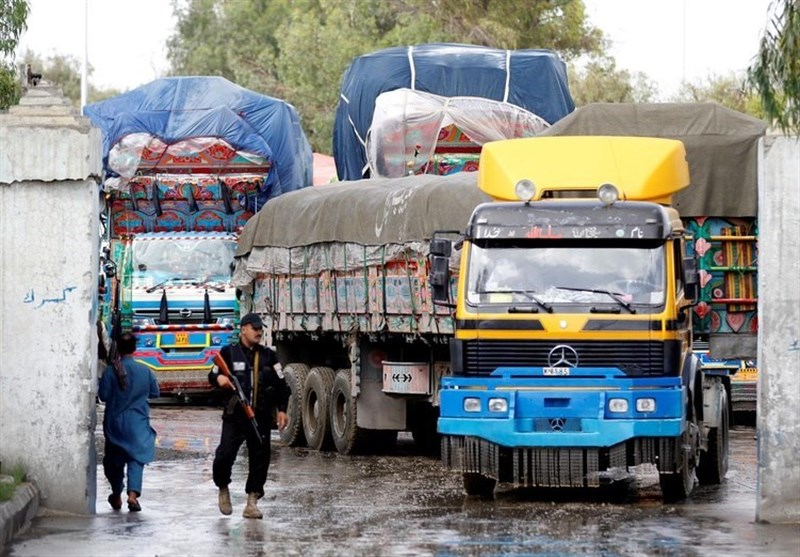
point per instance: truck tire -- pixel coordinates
(347, 436)
(677, 486)
(292, 434)
(478, 485)
(714, 462)
(316, 403)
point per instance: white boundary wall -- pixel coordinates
(49, 239)
(778, 493)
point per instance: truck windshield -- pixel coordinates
(201, 261)
(566, 275)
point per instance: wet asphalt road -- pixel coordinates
(401, 503)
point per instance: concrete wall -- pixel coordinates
(778, 493)
(49, 237)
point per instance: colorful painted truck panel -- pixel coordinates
(188, 162)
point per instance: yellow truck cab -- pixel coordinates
(572, 352)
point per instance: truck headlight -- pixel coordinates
(142, 322)
(525, 190)
(225, 322)
(645, 405)
(472, 404)
(608, 193)
(498, 405)
(618, 405)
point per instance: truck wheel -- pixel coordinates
(347, 436)
(678, 486)
(316, 407)
(479, 485)
(714, 462)
(292, 434)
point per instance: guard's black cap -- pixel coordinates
(252, 319)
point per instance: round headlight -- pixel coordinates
(608, 193)
(525, 190)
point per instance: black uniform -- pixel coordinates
(271, 394)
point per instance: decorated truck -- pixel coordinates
(187, 161)
(429, 108)
(719, 214)
(572, 356)
(339, 274)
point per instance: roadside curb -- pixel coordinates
(16, 515)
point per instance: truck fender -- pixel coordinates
(713, 386)
(691, 376)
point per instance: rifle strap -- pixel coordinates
(255, 379)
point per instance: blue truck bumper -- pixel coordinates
(585, 411)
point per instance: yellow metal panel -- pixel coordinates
(643, 168)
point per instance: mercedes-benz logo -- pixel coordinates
(186, 313)
(557, 424)
(562, 356)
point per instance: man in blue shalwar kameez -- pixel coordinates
(130, 441)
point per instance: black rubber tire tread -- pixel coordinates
(678, 486)
(317, 392)
(295, 375)
(478, 485)
(714, 462)
(347, 436)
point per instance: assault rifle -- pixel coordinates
(248, 410)
(114, 358)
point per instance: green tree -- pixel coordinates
(775, 74)
(13, 17)
(727, 90)
(600, 81)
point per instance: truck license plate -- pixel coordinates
(555, 371)
(181, 339)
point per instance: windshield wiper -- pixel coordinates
(613, 295)
(162, 283)
(210, 283)
(527, 293)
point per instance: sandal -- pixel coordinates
(134, 506)
(115, 501)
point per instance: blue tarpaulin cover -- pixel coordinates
(533, 79)
(178, 108)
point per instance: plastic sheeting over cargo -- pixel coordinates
(376, 221)
(175, 109)
(721, 148)
(368, 212)
(534, 80)
(407, 127)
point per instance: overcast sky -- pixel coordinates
(669, 40)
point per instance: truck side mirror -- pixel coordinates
(691, 279)
(440, 278)
(441, 247)
(110, 269)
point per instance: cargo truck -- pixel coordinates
(339, 274)
(719, 213)
(187, 161)
(573, 349)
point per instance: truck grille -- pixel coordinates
(635, 358)
(176, 317)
